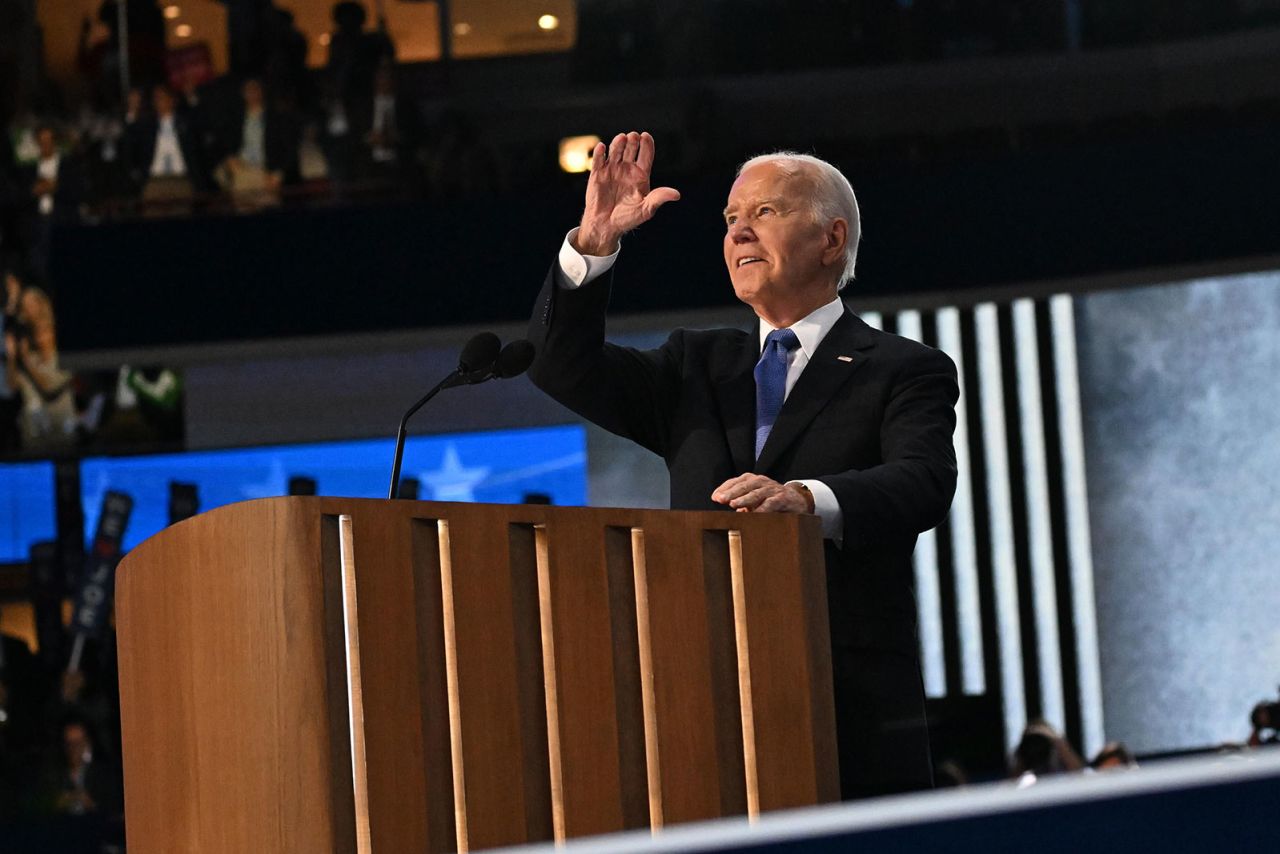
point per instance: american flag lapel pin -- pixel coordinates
(845, 358)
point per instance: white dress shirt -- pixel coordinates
(168, 160)
(47, 168)
(579, 269)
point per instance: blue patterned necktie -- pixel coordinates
(771, 381)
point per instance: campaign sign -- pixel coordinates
(93, 602)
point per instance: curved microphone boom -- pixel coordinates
(474, 365)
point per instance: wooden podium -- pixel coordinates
(351, 675)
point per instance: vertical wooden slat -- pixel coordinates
(390, 674)
(531, 687)
(718, 583)
(683, 703)
(546, 626)
(578, 643)
(433, 687)
(745, 696)
(342, 791)
(628, 703)
(448, 609)
(355, 690)
(644, 639)
(792, 682)
(491, 746)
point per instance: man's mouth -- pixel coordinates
(750, 259)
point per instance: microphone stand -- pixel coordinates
(400, 434)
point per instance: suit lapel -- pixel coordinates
(736, 397)
(838, 356)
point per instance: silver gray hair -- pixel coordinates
(833, 199)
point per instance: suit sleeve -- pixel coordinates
(910, 491)
(626, 391)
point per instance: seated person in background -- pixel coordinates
(165, 156)
(263, 151)
(1042, 752)
(48, 418)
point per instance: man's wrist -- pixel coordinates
(598, 244)
(805, 493)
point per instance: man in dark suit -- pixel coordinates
(166, 158)
(863, 438)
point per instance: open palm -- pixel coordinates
(618, 194)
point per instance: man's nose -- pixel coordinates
(741, 233)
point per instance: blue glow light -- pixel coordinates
(26, 509)
(499, 467)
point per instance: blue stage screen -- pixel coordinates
(27, 511)
(499, 467)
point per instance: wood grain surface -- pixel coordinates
(504, 654)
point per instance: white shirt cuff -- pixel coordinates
(826, 508)
(579, 269)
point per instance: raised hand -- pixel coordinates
(618, 194)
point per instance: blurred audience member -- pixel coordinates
(246, 40)
(99, 54)
(1113, 756)
(354, 57)
(263, 151)
(166, 157)
(57, 188)
(1265, 722)
(195, 109)
(47, 419)
(285, 74)
(10, 402)
(1042, 752)
(84, 781)
(394, 129)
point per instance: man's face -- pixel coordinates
(779, 256)
(252, 92)
(162, 101)
(45, 140)
(75, 742)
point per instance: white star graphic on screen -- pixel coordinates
(452, 481)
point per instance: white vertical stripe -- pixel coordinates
(996, 452)
(964, 549)
(1061, 312)
(925, 561)
(872, 319)
(1035, 475)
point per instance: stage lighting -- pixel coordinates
(575, 152)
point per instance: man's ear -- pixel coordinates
(837, 236)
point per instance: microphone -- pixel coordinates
(514, 360)
(475, 365)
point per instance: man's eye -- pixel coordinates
(730, 220)
(766, 209)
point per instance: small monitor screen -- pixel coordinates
(501, 467)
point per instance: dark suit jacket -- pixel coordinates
(282, 137)
(140, 147)
(875, 427)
